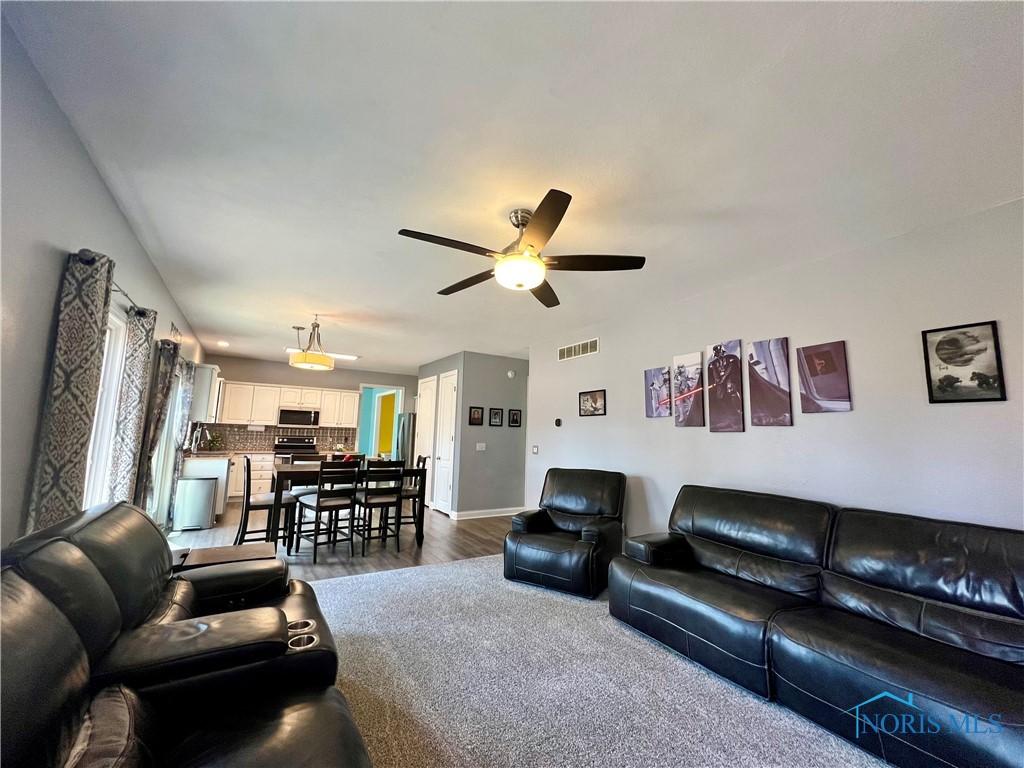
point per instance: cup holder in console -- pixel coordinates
(302, 625)
(301, 642)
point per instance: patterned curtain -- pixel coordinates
(131, 403)
(73, 388)
(187, 378)
(156, 413)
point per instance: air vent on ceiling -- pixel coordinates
(579, 349)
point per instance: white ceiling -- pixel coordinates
(266, 155)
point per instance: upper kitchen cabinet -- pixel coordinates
(311, 398)
(348, 410)
(330, 404)
(205, 393)
(249, 404)
(291, 397)
(301, 397)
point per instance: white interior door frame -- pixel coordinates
(426, 428)
(444, 450)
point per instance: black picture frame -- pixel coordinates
(515, 417)
(495, 417)
(476, 415)
(593, 402)
(962, 344)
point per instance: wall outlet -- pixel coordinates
(481, 446)
(535, 450)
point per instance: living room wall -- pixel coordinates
(894, 451)
(54, 202)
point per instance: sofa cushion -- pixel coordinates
(111, 733)
(717, 620)
(954, 582)
(311, 730)
(783, 538)
(825, 662)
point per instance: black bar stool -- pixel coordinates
(336, 486)
(382, 490)
(261, 501)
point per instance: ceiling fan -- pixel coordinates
(519, 265)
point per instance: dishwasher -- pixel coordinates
(193, 503)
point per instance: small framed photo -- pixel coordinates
(962, 363)
(476, 415)
(495, 417)
(515, 417)
(592, 403)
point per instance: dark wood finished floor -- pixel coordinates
(444, 540)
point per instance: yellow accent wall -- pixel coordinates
(386, 431)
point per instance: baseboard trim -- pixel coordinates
(470, 514)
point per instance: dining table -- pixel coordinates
(289, 475)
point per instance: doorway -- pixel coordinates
(379, 409)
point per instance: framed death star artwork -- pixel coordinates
(962, 363)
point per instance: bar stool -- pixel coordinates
(386, 492)
(336, 489)
(414, 491)
(257, 502)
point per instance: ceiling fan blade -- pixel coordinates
(545, 294)
(448, 243)
(469, 282)
(582, 263)
(545, 220)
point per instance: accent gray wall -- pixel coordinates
(893, 452)
(54, 202)
(269, 372)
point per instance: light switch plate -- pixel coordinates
(536, 450)
(481, 446)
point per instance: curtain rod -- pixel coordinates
(123, 292)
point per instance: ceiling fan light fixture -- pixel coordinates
(519, 271)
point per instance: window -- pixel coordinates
(97, 467)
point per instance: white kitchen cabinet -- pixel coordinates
(262, 467)
(205, 393)
(311, 397)
(236, 403)
(330, 404)
(348, 410)
(266, 401)
(291, 397)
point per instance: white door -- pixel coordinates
(265, 404)
(237, 408)
(291, 396)
(444, 450)
(311, 397)
(330, 406)
(348, 410)
(426, 406)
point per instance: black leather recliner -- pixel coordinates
(568, 542)
(730, 561)
(928, 614)
(230, 665)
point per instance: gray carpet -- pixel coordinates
(451, 665)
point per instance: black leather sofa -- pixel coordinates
(104, 649)
(568, 542)
(902, 634)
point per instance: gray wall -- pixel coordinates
(492, 478)
(268, 372)
(54, 201)
(894, 451)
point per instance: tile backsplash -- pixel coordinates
(237, 437)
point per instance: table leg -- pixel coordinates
(274, 517)
(418, 509)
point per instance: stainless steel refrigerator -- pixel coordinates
(407, 438)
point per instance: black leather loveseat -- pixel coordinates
(567, 543)
(903, 634)
(106, 653)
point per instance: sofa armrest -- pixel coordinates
(230, 586)
(606, 532)
(532, 521)
(155, 654)
(662, 549)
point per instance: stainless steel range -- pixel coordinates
(294, 445)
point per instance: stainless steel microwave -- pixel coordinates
(298, 417)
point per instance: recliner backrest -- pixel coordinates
(119, 542)
(959, 583)
(45, 675)
(777, 541)
(574, 497)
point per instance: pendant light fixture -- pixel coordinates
(311, 357)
